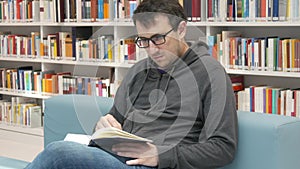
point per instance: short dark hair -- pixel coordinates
(147, 10)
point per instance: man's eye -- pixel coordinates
(143, 39)
(157, 38)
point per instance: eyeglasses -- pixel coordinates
(157, 39)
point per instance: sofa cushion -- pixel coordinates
(9, 163)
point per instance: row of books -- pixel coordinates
(67, 45)
(102, 10)
(193, 9)
(253, 10)
(263, 53)
(271, 100)
(65, 10)
(70, 46)
(94, 86)
(26, 79)
(80, 10)
(95, 10)
(21, 111)
(20, 11)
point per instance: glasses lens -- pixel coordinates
(158, 39)
(142, 43)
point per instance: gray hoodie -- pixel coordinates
(187, 110)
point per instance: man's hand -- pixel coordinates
(108, 121)
(143, 154)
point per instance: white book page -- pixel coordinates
(78, 138)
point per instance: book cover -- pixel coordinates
(94, 10)
(196, 10)
(106, 138)
(35, 116)
(100, 9)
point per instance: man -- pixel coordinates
(179, 97)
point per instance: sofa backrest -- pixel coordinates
(72, 114)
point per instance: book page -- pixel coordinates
(111, 132)
(78, 138)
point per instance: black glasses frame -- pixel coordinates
(152, 39)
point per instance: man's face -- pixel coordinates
(164, 54)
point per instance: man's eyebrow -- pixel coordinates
(157, 34)
(141, 37)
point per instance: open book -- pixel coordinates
(106, 138)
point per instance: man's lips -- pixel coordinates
(157, 57)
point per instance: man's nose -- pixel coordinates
(152, 47)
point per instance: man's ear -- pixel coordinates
(182, 29)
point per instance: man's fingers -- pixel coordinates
(113, 122)
(143, 154)
(102, 123)
(128, 154)
(134, 162)
(131, 147)
(99, 125)
(105, 122)
(108, 121)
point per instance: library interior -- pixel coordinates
(60, 57)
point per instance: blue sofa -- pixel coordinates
(265, 141)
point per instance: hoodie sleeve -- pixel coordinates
(119, 108)
(218, 139)
(121, 100)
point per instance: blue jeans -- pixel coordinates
(71, 155)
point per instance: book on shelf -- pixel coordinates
(61, 44)
(58, 82)
(187, 5)
(5, 107)
(34, 116)
(78, 34)
(2, 109)
(2, 77)
(106, 138)
(21, 76)
(237, 82)
(196, 10)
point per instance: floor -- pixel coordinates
(20, 145)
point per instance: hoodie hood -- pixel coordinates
(196, 50)
(200, 48)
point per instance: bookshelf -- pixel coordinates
(122, 28)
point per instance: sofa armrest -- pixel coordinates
(9, 163)
(72, 114)
(267, 141)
